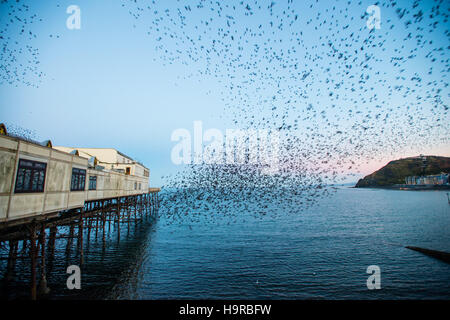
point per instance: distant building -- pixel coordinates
(438, 179)
(110, 159)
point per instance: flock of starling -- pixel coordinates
(339, 93)
(19, 57)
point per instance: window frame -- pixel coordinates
(92, 179)
(33, 170)
(76, 174)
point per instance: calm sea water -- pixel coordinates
(319, 253)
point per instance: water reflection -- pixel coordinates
(109, 255)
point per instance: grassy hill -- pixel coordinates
(396, 171)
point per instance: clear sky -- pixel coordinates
(106, 85)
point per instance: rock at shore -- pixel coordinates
(396, 171)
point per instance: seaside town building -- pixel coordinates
(438, 179)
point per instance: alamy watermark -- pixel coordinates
(74, 280)
(374, 280)
(74, 20)
(374, 20)
(235, 146)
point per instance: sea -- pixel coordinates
(320, 252)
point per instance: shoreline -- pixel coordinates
(408, 187)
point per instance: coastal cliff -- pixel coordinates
(396, 171)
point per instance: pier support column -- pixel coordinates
(143, 207)
(96, 224)
(136, 209)
(51, 247)
(43, 289)
(129, 199)
(150, 199)
(32, 232)
(104, 215)
(80, 235)
(70, 238)
(12, 257)
(119, 207)
(89, 226)
(24, 247)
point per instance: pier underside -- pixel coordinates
(29, 238)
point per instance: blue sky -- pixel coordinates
(104, 89)
(105, 85)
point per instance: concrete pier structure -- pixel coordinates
(39, 179)
(45, 189)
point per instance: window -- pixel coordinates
(92, 182)
(78, 179)
(127, 170)
(139, 186)
(30, 176)
(135, 185)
